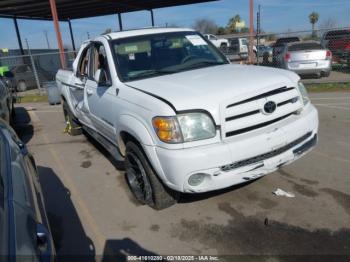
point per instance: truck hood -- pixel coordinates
(209, 87)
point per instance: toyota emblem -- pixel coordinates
(270, 107)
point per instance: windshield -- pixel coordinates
(244, 41)
(158, 54)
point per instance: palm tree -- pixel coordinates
(313, 17)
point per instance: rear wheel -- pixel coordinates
(72, 126)
(326, 74)
(143, 181)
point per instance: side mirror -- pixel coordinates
(100, 77)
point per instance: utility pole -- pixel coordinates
(258, 32)
(251, 30)
(47, 39)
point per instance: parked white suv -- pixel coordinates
(181, 116)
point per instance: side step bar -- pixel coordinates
(112, 149)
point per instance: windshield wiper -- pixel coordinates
(202, 64)
(152, 73)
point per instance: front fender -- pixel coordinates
(133, 126)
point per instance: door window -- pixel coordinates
(212, 37)
(99, 61)
(83, 66)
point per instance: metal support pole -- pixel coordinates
(58, 32)
(71, 35)
(152, 17)
(34, 68)
(251, 31)
(120, 22)
(18, 36)
(258, 31)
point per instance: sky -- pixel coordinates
(276, 16)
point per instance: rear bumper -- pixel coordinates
(319, 68)
(238, 161)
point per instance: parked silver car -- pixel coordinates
(306, 58)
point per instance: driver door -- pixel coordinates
(78, 82)
(101, 94)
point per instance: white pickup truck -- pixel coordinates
(183, 118)
(219, 43)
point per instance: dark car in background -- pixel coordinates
(338, 41)
(24, 77)
(264, 50)
(6, 101)
(24, 228)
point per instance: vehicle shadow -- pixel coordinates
(71, 241)
(120, 249)
(22, 125)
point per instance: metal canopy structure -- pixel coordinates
(73, 9)
(67, 10)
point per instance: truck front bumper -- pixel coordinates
(222, 167)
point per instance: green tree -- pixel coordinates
(313, 17)
(231, 26)
(205, 26)
(221, 31)
(245, 30)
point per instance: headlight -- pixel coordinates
(196, 126)
(184, 128)
(303, 93)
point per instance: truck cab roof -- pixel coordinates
(145, 31)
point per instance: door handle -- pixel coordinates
(89, 91)
(43, 240)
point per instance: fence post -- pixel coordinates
(258, 35)
(33, 66)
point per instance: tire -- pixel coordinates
(72, 128)
(143, 181)
(21, 86)
(326, 74)
(224, 48)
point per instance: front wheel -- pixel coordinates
(143, 181)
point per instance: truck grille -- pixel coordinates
(248, 115)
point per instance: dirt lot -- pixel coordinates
(92, 211)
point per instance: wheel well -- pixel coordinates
(124, 138)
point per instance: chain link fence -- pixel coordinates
(35, 69)
(317, 56)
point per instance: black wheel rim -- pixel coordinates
(137, 179)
